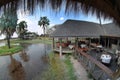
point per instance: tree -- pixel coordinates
(44, 22)
(8, 23)
(22, 29)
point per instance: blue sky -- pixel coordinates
(59, 18)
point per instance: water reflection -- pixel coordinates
(25, 45)
(45, 58)
(2, 44)
(25, 65)
(16, 69)
(24, 56)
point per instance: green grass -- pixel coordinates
(38, 40)
(58, 69)
(55, 70)
(70, 69)
(4, 50)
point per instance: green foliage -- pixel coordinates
(4, 50)
(55, 70)
(8, 23)
(43, 21)
(22, 29)
(59, 69)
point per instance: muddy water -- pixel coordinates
(2, 44)
(24, 65)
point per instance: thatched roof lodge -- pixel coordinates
(108, 34)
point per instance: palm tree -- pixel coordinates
(44, 22)
(22, 29)
(8, 23)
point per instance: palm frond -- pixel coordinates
(105, 8)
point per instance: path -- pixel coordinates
(80, 71)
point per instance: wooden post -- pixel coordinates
(66, 39)
(89, 42)
(118, 43)
(105, 41)
(60, 47)
(76, 45)
(76, 41)
(99, 40)
(53, 43)
(60, 50)
(108, 43)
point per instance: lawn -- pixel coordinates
(4, 50)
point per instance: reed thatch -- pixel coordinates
(105, 8)
(111, 29)
(76, 28)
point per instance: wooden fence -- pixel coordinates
(94, 67)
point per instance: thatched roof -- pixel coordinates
(75, 28)
(111, 29)
(106, 8)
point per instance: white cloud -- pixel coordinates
(2, 36)
(32, 24)
(15, 35)
(61, 18)
(51, 25)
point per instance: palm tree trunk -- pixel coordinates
(44, 30)
(100, 21)
(8, 40)
(44, 39)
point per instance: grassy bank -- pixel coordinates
(59, 69)
(38, 40)
(70, 69)
(4, 50)
(16, 48)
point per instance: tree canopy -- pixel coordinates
(21, 29)
(8, 23)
